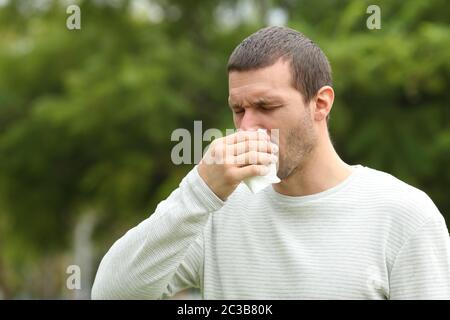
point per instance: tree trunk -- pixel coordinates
(83, 250)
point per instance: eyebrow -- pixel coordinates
(259, 102)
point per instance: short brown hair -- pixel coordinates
(310, 68)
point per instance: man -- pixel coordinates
(328, 230)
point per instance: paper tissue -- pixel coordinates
(258, 183)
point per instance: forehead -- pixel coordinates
(272, 80)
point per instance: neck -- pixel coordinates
(322, 170)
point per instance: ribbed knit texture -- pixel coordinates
(370, 237)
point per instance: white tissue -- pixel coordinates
(258, 183)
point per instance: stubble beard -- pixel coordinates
(300, 142)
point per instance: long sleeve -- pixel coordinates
(422, 268)
(163, 254)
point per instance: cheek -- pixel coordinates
(283, 122)
(284, 145)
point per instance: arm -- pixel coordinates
(162, 255)
(422, 267)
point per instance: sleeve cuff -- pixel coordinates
(200, 192)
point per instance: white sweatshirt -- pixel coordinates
(370, 237)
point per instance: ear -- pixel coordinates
(323, 102)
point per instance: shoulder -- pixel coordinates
(401, 210)
(402, 202)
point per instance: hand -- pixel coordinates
(233, 158)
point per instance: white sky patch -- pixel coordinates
(277, 17)
(230, 16)
(147, 10)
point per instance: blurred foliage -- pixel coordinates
(86, 115)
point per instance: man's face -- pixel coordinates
(265, 98)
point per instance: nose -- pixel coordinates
(250, 121)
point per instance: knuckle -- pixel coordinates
(240, 148)
(267, 157)
(240, 160)
(218, 148)
(264, 146)
(253, 156)
(229, 160)
(212, 147)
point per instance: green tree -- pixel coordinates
(86, 115)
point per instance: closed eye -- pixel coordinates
(270, 108)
